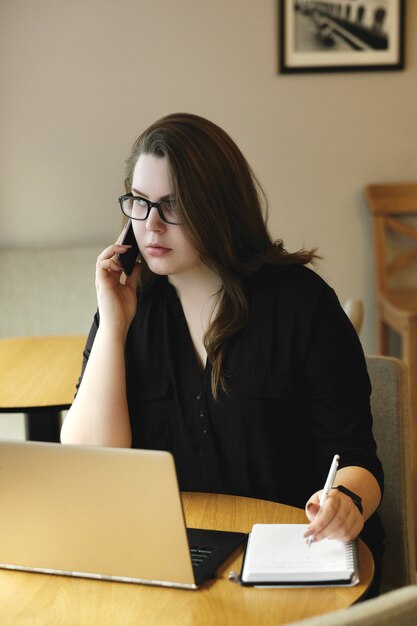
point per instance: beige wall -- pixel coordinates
(80, 79)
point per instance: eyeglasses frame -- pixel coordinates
(150, 205)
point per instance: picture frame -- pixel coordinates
(342, 36)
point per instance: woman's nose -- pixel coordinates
(154, 221)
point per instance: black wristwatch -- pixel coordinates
(357, 500)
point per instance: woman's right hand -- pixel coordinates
(117, 299)
(99, 414)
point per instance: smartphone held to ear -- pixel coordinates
(128, 259)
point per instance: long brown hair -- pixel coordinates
(223, 210)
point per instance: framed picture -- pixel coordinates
(341, 36)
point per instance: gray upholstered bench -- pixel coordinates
(47, 291)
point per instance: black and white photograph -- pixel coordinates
(354, 35)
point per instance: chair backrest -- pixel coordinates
(391, 204)
(395, 608)
(390, 409)
(354, 310)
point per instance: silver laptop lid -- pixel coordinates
(88, 511)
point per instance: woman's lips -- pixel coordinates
(157, 250)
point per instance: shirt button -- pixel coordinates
(205, 431)
(201, 413)
(199, 396)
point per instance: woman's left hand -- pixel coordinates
(339, 518)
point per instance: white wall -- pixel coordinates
(80, 79)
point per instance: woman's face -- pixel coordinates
(165, 247)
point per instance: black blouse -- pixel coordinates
(298, 391)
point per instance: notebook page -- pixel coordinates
(279, 553)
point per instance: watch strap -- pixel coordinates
(357, 500)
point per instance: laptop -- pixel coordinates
(104, 513)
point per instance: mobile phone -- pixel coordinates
(128, 259)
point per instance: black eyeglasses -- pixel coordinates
(138, 208)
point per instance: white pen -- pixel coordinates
(326, 490)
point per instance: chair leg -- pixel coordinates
(409, 351)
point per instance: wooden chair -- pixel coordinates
(392, 205)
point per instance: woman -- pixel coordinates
(224, 348)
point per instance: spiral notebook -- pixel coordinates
(278, 555)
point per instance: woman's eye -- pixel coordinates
(171, 205)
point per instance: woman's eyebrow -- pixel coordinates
(143, 195)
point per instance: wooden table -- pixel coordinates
(38, 377)
(40, 599)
